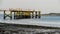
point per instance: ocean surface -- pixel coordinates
(51, 21)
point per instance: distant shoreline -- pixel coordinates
(51, 14)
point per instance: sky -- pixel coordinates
(45, 6)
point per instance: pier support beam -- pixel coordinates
(18, 15)
(7, 15)
(36, 14)
(39, 14)
(4, 14)
(32, 14)
(15, 14)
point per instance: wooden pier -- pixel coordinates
(20, 14)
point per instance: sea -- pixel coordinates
(51, 21)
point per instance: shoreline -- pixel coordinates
(28, 26)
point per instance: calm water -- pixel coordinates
(43, 21)
(50, 18)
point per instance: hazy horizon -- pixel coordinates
(45, 6)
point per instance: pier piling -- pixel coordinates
(7, 15)
(36, 14)
(32, 14)
(39, 14)
(4, 14)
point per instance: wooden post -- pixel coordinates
(32, 14)
(4, 14)
(14, 15)
(10, 15)
(36, 14)
(39, 15)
